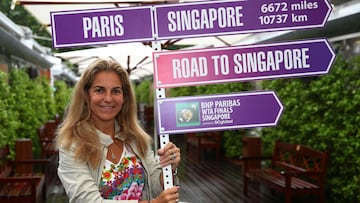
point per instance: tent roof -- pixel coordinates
(128, 54)
(135, 57)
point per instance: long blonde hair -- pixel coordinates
(77, 127)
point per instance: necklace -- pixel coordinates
(113, 155)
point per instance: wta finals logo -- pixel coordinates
(187, 114)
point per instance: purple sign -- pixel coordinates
(243, 63)
(238, 16)
(101, 26)
(218, 112)
(194, 19)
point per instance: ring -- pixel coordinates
(173, 157)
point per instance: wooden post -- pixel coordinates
(252, 147)
(23, 150)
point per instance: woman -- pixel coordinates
(104, 155)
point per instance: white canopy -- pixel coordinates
(137, 56)
(134, 56)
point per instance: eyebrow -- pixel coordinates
(99, 86)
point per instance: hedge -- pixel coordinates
(323, 112)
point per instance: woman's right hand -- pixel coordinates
(170, 195)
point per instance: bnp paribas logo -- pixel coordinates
(187, 114)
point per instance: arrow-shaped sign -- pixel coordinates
(218, 112)
(243, 63)
(238, 16)
(193, 19)
(101, 26)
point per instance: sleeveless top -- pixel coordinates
(124, 180)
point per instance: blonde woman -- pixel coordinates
(104, 155)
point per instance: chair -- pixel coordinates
(21, 187)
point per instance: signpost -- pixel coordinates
(243, 63)
(101, 26)
(218, 65)
(218, 112)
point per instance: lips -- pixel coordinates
(107, 107)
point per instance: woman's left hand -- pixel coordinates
(170, 154)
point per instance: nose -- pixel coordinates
(108, 97)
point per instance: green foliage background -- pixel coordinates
(32, 107)
(26, 105)
(144, 92)
(8, 115)
(61, 96)
(323, 112)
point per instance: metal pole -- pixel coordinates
(16, 48)
(164, 138)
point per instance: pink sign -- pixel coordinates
(243, 63)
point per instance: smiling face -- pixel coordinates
(106, 98)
